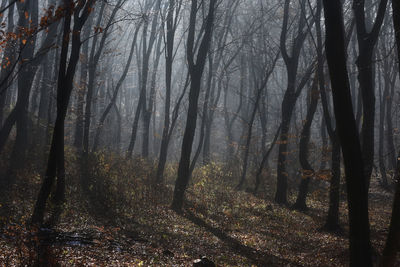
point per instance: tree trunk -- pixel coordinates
(55, 166)
(78, 137)
(115, 94)
(93, 62)
(357, 193)
(392, 246)
(25, 81)
(307, 169)
(265, 160)
(171, 27)
(196, 71)
(366, 78)
(332, 223)
(8, 57)
(382, 109)
(290, 97)
(149, 111)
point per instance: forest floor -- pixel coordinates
(134, 226)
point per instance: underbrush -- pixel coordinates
(114, 206)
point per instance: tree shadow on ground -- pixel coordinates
(257, 257)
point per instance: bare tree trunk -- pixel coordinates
(115, 94)
(25, 81)
(307, 169)
(389, 123)
(366, 78)
(382, 109)
(55, 167)
(196, 71)
(8, 57)
(149, 110)
(170, 35)
(78, 137)
(265, 160)
(357, 193)
(93, 62)
(259, 91)
(147, 47)
(290, 97)
(392, 246)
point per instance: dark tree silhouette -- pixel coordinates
(196, 69)
(307, 169)
(292, 93)
(55, 165)
(366, 79)
(393, 241)
(357, 194)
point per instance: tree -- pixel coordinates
(171, 25)
(292, 92)
(29, 63)
(366, 79)
(8, 57)
(94, 59)
(55, 165)
(78, 138)
(258, 92)
(147, 44)
(196, 69)
(307, 169)
(393, 240)
(116, 90)
(357, 194)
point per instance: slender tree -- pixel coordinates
(55, 166)
(196, 69)
(307, 169)
(292, 92)
(366, 79)
(171, 25)
(94, 59)
(116, 90)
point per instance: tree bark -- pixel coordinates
(366, 78)
(196, 71)
(55, 166)
(290, 97)
(392, 246)
(307, 169)
(357, 193)
(115, 94)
